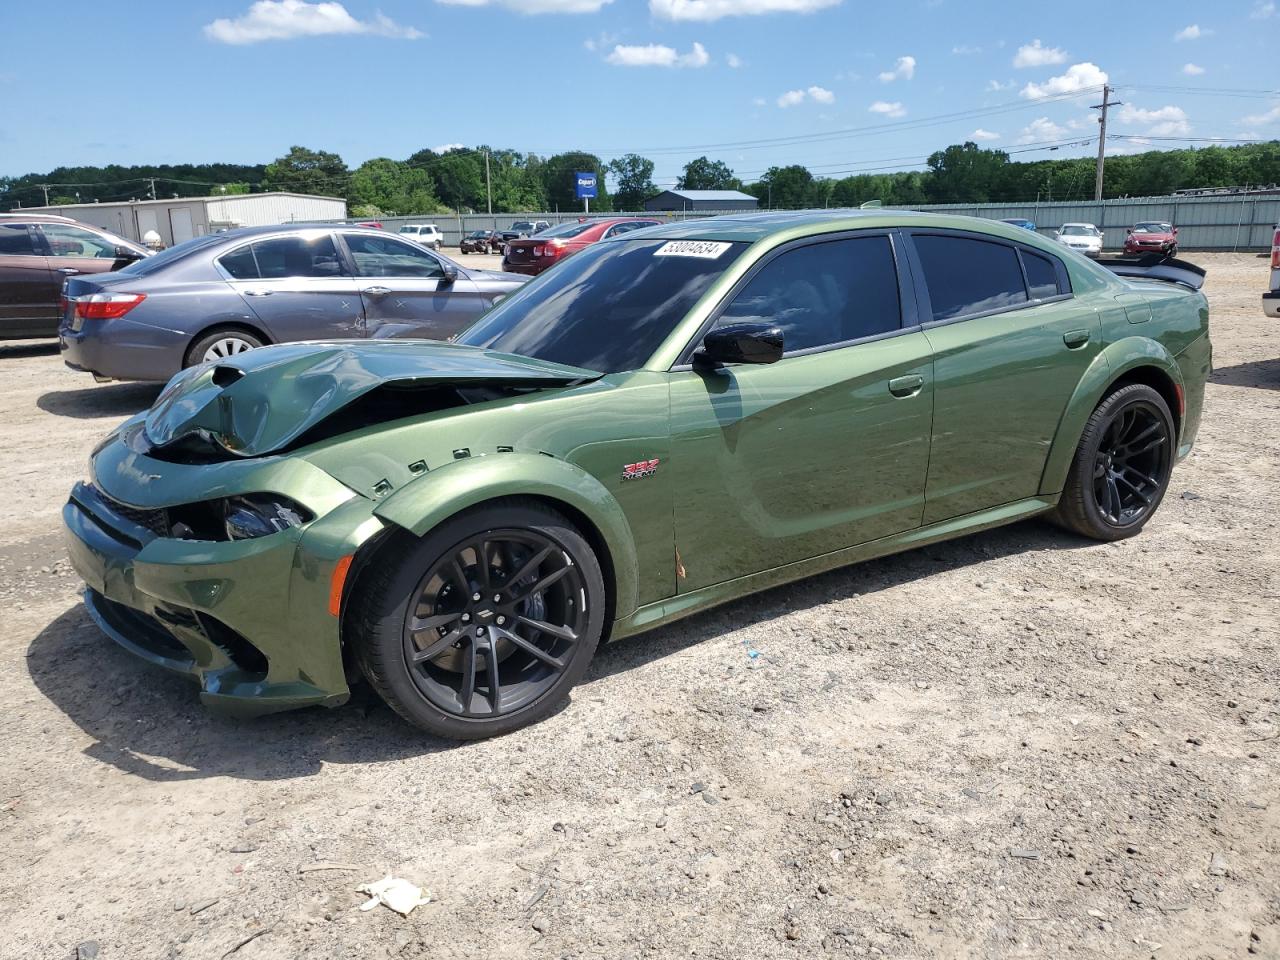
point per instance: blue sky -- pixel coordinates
(234, 80)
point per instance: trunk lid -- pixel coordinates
(261, 401)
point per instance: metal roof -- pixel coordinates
(711, 194)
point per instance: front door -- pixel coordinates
(1010, 344)
(824, 449)
(74, 250)
(297, 286)
(407, 292)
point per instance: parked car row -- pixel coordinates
(1146, 236)
(544, 250)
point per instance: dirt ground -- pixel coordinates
(1017, 744)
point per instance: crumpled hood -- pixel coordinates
(262, 400)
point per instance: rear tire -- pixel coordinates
(1121, 467)
(219, 345)
(531, 615)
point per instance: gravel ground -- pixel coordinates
(1017, 744)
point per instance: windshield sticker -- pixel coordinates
(702, 249)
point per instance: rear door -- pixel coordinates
(1010, 344)
(406, 292)
(28, 291)
(298, 285)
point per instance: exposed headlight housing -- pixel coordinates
(260, 515)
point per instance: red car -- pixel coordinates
(1152, 236)
(534, 254)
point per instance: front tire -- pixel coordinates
(1121, 467)
(482, 626)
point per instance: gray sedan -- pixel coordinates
(219, 295)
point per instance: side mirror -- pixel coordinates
(1175, 231)
(127, 253)
(450, 273)
(1128, 229)
(741, 343)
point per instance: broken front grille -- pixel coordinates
(157, 521)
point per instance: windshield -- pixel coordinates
(408, 229)
(476, 234)
(606, 309)
(1077, 230)
(522, 225)
(1152, 228)
(140, 268)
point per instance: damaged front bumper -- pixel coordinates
(247, 620)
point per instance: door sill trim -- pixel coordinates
(662, 612)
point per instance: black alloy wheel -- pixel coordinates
(484, 624)
(1121, 467)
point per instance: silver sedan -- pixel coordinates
(221, 294)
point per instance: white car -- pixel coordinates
(1271, 299)
(427, 234)
(1084, 237)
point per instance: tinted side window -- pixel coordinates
(284, 257)
(967, 276)
(1042, 276)
(16, 241)
(824, 293)
(385, 257)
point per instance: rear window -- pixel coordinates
(1042, 276)
(152, 264)
(966, 276)
(567, 230)
(16, 240)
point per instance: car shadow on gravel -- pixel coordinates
(91, 403)
(843, 583)
(150, 723)
(27, 348)
(1264, 374)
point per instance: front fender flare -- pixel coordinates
(432, 498)
(1111, 363)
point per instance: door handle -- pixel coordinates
(907, 386)
(1075, 339)
(257, 293)
(68, 270)
(376, 291)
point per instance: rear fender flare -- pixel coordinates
(1112, 363)
(432, 498)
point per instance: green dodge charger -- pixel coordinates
(667, 421)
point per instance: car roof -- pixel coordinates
(40, 217)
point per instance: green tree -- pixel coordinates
(964, 173)
(394, 187)
(704, 174)
(561, 186)
(306, 171)
(786, 188)
(634, 175)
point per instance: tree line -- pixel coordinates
(469, 179)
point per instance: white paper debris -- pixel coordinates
(400, 895)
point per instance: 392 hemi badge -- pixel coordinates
(636, 471)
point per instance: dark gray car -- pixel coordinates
(219, 295)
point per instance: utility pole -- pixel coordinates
(153, 187)
(488, 184)
(45, 188)
(1102, 136)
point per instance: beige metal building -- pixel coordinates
(186, 217)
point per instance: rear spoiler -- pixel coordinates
(1156, 266)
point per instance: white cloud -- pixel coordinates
(1248, 135)
(1192, 70)
(1168, 121)
(1034, 55)
(815, 93)
(446, 147)
(964, 50)
(1263, 11)
(733, 60)
(657, 55)
(288, 19)
(759, 101)
(1193, 32)
(894, 109)
(981, 134)
(1079, 78)
(821, 95)
(704, 10)
(791, 98)
(1258, 119)
(994, 86)
(535, 6)
(602, 42)
(903, 69)
(1040, 130)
